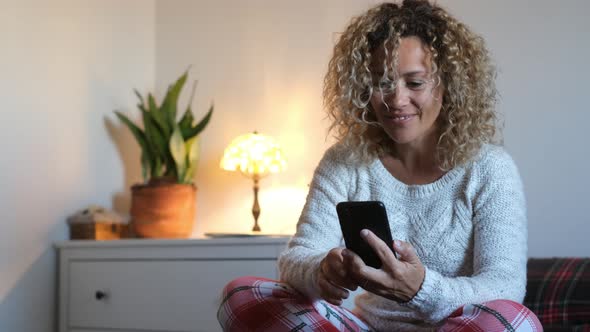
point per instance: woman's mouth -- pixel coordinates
(400, 119)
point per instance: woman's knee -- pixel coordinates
(237, 294)
(258, 287)
(242, 282)
(248, 303)
(496, 315)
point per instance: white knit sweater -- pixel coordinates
(468, 228)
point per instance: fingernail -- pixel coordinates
(365, 232)
(345, 253)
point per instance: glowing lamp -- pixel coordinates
(255, 156)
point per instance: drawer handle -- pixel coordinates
(100, 295)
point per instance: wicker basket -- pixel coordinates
(97, 223)
(98, 231)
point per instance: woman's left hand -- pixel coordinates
(399, 279)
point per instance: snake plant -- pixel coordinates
(169, 148)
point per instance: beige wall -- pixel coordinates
(542, 51)
(65, 66)
(262, 63)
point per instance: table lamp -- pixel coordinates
(255, 156)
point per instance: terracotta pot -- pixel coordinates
(163, 210)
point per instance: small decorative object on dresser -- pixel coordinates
(155, 285)
(164, 205)
(96, 223)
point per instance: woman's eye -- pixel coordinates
(415, 85)
(385, 88)
(383, 84)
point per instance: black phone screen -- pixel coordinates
(356, 216)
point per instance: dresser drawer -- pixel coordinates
(154, 295)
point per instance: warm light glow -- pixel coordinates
(253, 154)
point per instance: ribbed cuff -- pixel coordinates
(427, 298)
(312, 291)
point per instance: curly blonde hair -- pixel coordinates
(460, 61)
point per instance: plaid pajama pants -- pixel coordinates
(259, 304)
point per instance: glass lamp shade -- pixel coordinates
(254, 155)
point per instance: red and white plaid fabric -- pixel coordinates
(259, 304)
(498, 315)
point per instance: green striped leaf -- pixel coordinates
(193, 146)
(158, 116)
(140, 97)
(135, 130)
(147, 159)
(186, 122)
(201, 125)
(145, 166)
(156, 142)
(169, 105)
(178, 151)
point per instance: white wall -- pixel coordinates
(262, 63)
(65, 66)
(542, 51)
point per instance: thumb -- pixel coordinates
(405, 251)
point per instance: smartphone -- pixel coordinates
(356, 216)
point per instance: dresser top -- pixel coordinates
(245, 240)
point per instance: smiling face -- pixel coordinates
(408, 111)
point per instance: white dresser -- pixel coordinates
(155, 285)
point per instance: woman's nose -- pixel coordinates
(400, 97)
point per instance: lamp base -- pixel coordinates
(256, 206)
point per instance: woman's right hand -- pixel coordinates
(333, 281)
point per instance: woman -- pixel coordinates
(410, 91)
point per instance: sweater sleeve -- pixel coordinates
(500, 246)
(318, 230)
